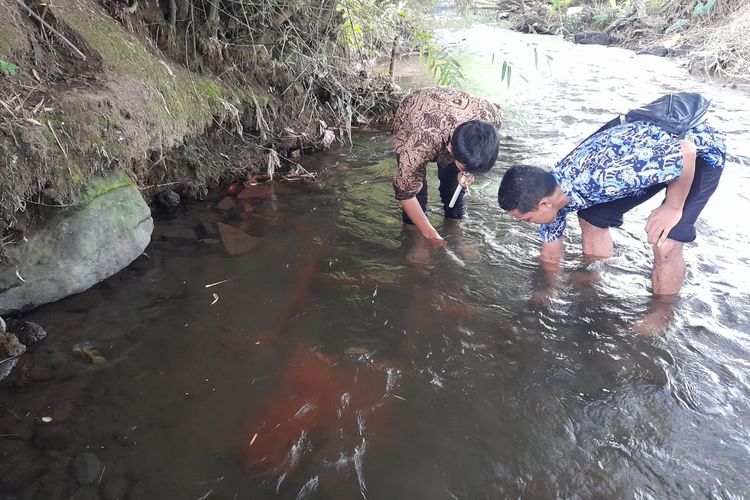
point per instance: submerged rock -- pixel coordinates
(78, 247)
(87, 468)
(236, 242)
(11, 346)
(28, 333)
(168, 199)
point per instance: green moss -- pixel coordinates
(188, 99)
(102, 185)
(182, 101)
(208, 88)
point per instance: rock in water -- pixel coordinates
(10, 345)
(235, 241)
(78, 247)
(86, 468)
(27, 332)
(168, 199)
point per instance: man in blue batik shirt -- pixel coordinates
(612, 172)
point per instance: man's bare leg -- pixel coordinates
(597, 241)
(666, 280)
(669, 268)
(657, 318)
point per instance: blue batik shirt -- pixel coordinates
(623, 161)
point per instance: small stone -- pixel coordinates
(52, 437)
(46, 420)
(28, 333)
(86, 468)
(12, 346)
(87, 493)
(168, 199)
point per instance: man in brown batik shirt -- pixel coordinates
(453, 129)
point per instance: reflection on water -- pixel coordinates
(345, 358)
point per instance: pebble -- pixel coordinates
(87, 468)
(28, 333)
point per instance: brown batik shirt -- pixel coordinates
(422, 130)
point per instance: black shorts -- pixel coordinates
(705, 181)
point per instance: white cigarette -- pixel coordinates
(455, 195)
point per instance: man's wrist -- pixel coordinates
(674, 205)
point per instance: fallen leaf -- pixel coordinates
(91, 352)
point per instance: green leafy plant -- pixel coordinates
(677, 25)
(506, 72)
(560, 6)
(9, 69)
(444, 68)
(704, 8)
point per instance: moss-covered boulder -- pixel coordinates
(78, 247)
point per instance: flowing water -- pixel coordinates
(345, 358)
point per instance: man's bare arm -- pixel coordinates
(418, 217)
(666, 216)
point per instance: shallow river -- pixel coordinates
(343, 358)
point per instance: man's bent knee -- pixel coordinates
(668, 252)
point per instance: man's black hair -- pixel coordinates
(523, 186)
(475, 144)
